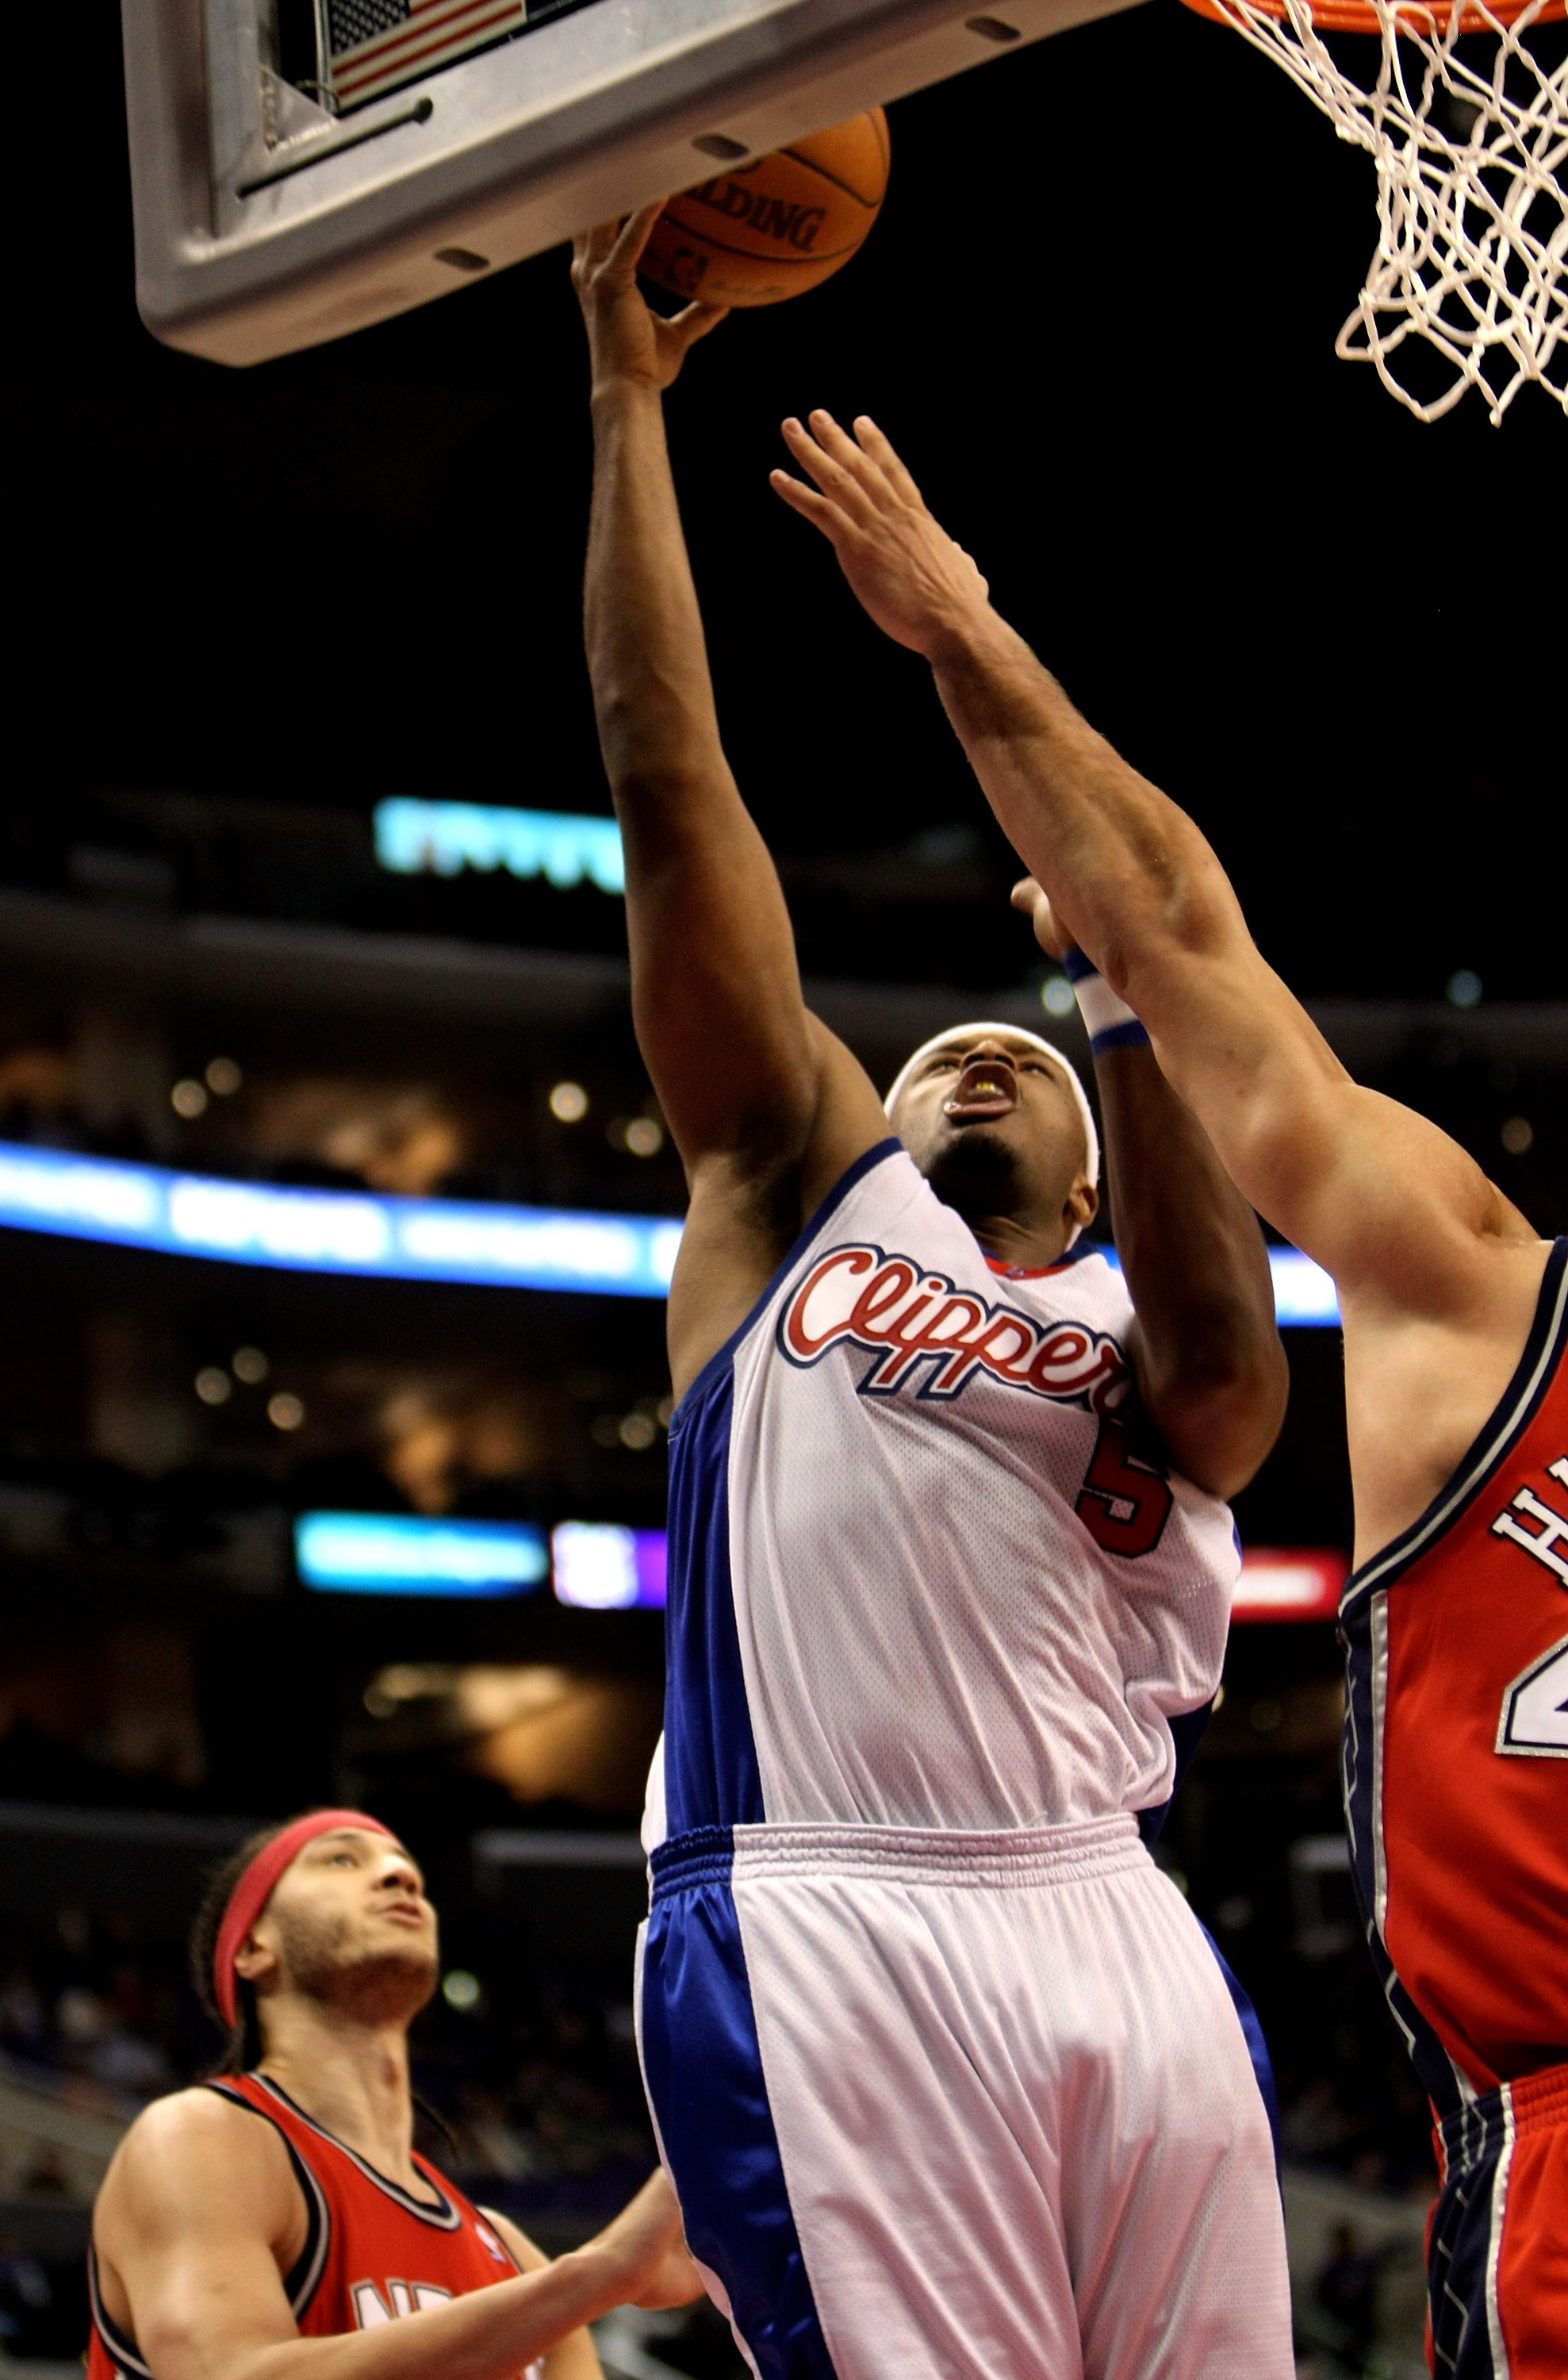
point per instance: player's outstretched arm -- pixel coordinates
(1438, 1273)
(1212, 1373)
(196, 2220)
(1397, 1212)
(766, 1108)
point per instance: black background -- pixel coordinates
(1098, 316)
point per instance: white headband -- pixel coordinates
(1021, 1033)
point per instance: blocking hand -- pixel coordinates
(626, 339)
(917, 584)
(648, 2246)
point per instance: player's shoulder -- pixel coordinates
(190, 2143)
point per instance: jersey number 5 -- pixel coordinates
(1124, 1503)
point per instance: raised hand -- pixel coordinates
(647, 2249)
(917, 584)
(626, 339)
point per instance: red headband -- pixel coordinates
(253, 1891)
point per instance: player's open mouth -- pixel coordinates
(987, 1087)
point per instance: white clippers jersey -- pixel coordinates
(923, 1572)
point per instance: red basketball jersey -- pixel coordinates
(1455, 1739)
(373, 2251)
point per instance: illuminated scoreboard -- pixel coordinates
(303, 167)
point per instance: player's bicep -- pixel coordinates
(1377, 1195)
(203, 2300)
(716, 991)
(197, 2212)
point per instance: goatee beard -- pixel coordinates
(391, 1984)
(976, 1174)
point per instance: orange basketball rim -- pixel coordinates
(1429, 16)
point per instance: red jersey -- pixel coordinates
(373, 2251)
(1456, 1737)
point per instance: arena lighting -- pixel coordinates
(601, 1566)
(390, 1553)
(335, 1231)
(415, 838)
(1304, 1296)
(1289, 1583)
(406, 1239)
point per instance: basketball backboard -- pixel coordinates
(301, 168)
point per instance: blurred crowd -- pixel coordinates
(83, 2001)
(1350, 2105)
(532, 2088)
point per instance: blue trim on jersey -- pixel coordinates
(1459, 2241)
(1358, 1771)
(878, 1155)
(702, 2067)
(711, 1777)
(1187, 1733)
(1252, 2033)
(1513, 1413)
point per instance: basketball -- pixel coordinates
(758, 233)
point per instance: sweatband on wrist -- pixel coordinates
(1108, 1020)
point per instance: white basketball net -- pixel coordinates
(1472, 208)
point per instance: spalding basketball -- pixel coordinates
(757, 233)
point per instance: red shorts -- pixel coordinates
(1497, 2244)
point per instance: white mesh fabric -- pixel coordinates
(929, 1634)
(1472, 159)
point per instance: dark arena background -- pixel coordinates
(251, 614)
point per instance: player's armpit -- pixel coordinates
(746, 1213)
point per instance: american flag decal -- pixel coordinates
(374, 45)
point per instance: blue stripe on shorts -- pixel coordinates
(702, 2067)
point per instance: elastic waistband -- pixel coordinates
(1004, 1860)
(1535, 2103)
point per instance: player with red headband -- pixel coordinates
(275, 2223)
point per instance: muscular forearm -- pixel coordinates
(647, 659)
(1128, 874)
(1211, 1372)
(488, 2334)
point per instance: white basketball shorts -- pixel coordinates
(975, 2105)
